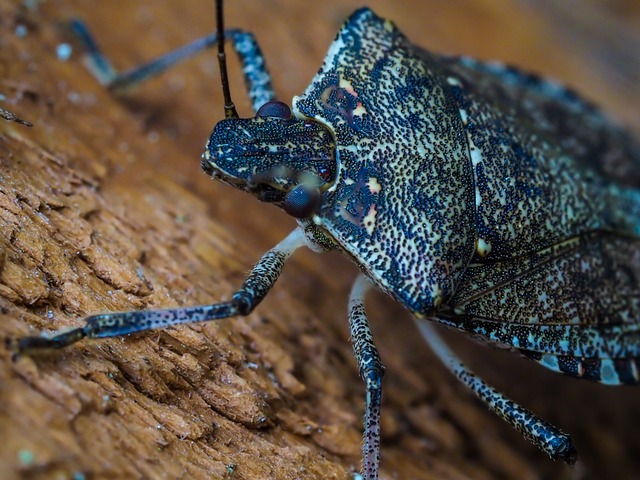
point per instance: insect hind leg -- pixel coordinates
(254, 68)
(371, 371)
(542, 434)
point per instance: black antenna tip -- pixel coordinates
(229, 107)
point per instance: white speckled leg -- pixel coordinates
(257, 285)
(542, 434)
(371, 371)
(257, 78)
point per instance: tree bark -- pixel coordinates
(103, 207)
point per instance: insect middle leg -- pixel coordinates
(371, 371)
(257, 285)
(545, 436)
(254, 68)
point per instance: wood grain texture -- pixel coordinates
(103, 207)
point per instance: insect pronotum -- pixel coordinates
(477, 196)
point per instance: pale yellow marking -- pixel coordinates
(359, 111)
(476, 154)
(476, 158)
(483, 248)
(370, 220)
(374, 185)
(436, 294)
(348, 181)
(453, 81)
(346, 84)
(463, 116)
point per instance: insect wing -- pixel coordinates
(536, 184)
(573, 307)
(557, 268)
(555, 113)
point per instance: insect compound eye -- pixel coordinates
(324, 173)
(301, 201)
(274, 109)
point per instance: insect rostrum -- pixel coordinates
(475, 195)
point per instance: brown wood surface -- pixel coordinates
(103, 207)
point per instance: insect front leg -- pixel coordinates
(545, 436)
(371, 371)
(254, 68)
(257, 285)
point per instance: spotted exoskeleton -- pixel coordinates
(475, 195)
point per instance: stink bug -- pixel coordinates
(476, 196)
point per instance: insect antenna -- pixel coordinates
(229, 107)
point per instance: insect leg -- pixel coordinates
(254, 68)
(545, 436)
(371, 371)
(259, 282)
(7, 115)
